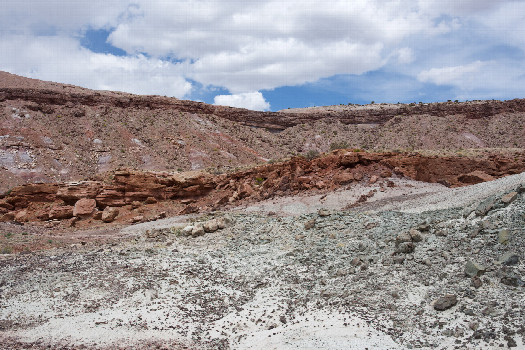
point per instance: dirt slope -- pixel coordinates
(52, 132)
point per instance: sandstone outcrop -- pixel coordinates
(197, 190)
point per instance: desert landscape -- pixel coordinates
(142, 222)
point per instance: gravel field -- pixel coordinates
(434, 271)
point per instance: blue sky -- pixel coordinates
(272, 55)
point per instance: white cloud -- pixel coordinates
(450, 75)
(62, 59)
(404, 55)
(250, 100)
(252, 45)
(30, 16)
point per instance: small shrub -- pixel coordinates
(312, 154)
(177, 231)
(338, 145)
(259, 181)
(6, 250)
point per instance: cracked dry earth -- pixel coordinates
(444, 271)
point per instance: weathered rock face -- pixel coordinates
(72, 192)
(198, 189)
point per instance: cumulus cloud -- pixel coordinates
(250, 100)
(450, 75)
(62, 59)
(253, 45)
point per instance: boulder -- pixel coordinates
(484, 207)
(186, 231)
(7, 217)
(61, 212)
(22, 216)
(343, 178)
(109, 214)
(198, 230)
(210, 226)
(150, 200)
(84, 207)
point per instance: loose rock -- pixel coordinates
(445, 302)
(474, 269)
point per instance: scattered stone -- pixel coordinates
(97, 215)
(73, 221)
(484, 207)
(109, 214)
(186, 231)
(84, 207)
(441, 233)
(512, 280)
(509, 259)
(198, 230)
(343, 178)
(509, 198)
(223, 222)
(323, 212)
(503, 236)
(210, 226)
(405, 248)
(521, 188)
(385, 173)
(511, 343)
(424, 227)
(403, 237)
(415, 235)
(138, 218)
(399, 259)
(371, 225)
(445, 302)
(473, 269)
(358, 176)
(476, 282)
(356, 262)
(374, 179)
(309, 224)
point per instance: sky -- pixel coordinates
(272, 54)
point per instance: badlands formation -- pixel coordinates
(140, 222)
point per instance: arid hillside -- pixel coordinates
(52, 132)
